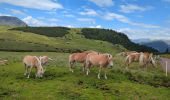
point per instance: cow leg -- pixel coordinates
(29, 72)
(87, 71)
(105, 76)
(99, 72)
(26, 70)
(84, 65)
(71, 66)
(87, 66)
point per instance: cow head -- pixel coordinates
(40, 72)
(110, 60)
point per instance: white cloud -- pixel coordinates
(89, 12)
(69, 15)
(69, 26)
(87, 20)
(17, 12)
(123, 19)
(103, 3)
(146, 33)
(2, 14)
(129, 8)
(53, 20)
(168, 1)
(97, 26)
(35, 22)
(41, 5)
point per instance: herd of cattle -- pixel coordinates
(88, 59)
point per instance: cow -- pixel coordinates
(78, 57)
(133, 57)
(100, 60)
(146, 58)
(44, 61)
(33, 62)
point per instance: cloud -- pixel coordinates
(103, 3)
(87, 20)
(97, 26)
(36, 22)
(17, 12)
(41, 5)
(69, 26)
(123, 19)
(168, 1)
(129, 8)
(69, 15)
(146, 33)
(89, 12)
(2, 14)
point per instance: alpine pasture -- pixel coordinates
(58, 83)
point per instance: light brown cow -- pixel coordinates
(143, 58)
(146, 58)
(100, 60)
(78, 57)
(30, 62)
(133, 57)
(44, 60)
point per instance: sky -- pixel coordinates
(138, 19)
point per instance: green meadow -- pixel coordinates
(59, 83)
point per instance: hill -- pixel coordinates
(110, 36)
(14, 40)
(11, 21)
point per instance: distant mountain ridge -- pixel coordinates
(11, 21)
(160, 45)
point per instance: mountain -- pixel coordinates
(142, 40)
(11, 21)
(160, 45)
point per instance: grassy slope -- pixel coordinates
(59, 83)
(40, 42)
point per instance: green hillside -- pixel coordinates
(88, 33)
(15, 40)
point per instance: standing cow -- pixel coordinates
(30, 62)
(146, 58)
(100, 60)
(78, 57)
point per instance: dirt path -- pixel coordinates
(163, 62)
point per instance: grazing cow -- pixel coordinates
(78, 57)
(133, 57)
(146, 58)
(30, 62)
(44, 61)
(100, 60)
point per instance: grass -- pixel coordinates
(58, 83)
